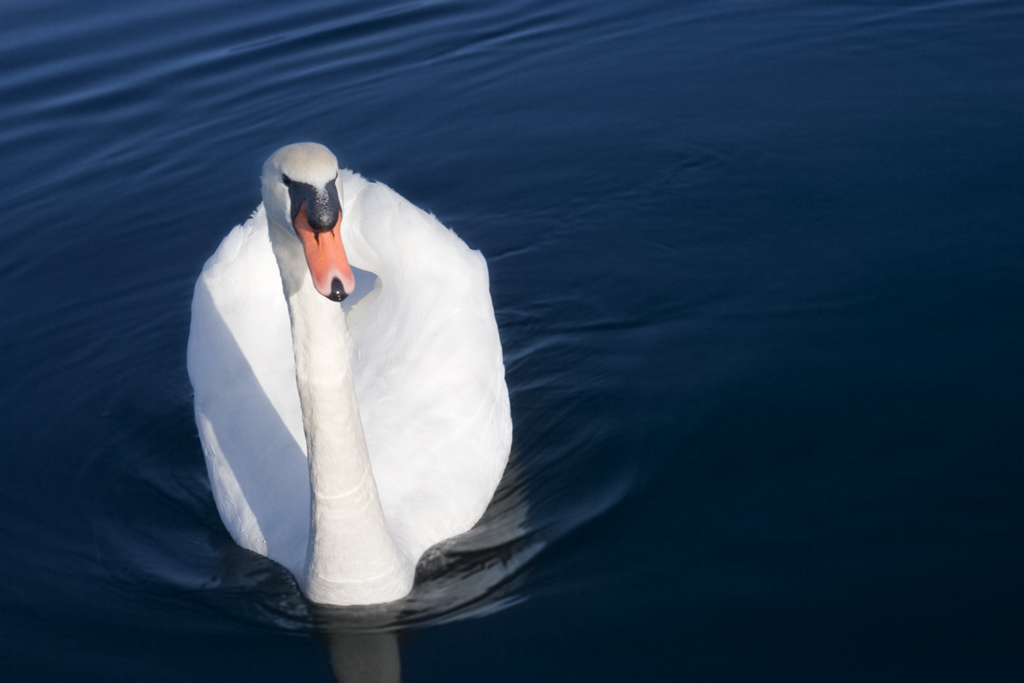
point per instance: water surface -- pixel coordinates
(757, 268)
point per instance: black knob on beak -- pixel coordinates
(323, 207)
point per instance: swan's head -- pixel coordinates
(302, 196)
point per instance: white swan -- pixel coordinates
(344, 445)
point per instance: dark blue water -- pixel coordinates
(759, 273)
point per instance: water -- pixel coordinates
(758, 272)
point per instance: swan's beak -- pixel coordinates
(325, 255)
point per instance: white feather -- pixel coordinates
(428, 370)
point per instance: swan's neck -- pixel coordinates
(351, 557)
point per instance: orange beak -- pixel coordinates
(325, 256)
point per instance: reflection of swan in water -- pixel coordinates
(418, 368)
(364, 657)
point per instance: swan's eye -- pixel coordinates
(286, 180)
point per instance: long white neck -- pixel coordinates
(351, 558)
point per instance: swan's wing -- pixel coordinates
(428, 368)
(242, 369)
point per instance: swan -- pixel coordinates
(342, 444)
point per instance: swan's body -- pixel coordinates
(401, 404)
